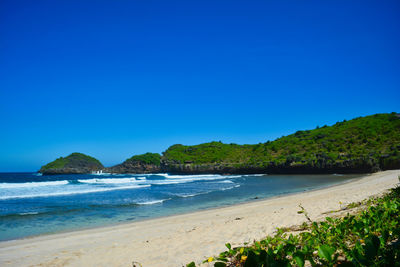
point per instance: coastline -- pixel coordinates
(254, 198)
(178, 239)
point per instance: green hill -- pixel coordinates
(74, 163)
(144, 163)
(360, 145)
(147, 158)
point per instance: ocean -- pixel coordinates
(31, 204)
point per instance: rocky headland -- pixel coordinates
(145, 163)
(361, 145)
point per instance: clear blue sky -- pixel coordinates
(117, 78)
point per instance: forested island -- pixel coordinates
(361, 145)
(76, 163)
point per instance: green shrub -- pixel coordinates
(369, 238)
(148, 158)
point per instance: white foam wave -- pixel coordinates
(176, 181)
(166, 182)
(233, 176)
(139, 174)
(226, 182)
(28, 213)
(32, 184)
(151, 202)
(108, 181)
(179, 179)
(229, 188)
(52, 194)
(200, 177)
(185, 195)
(166, 175)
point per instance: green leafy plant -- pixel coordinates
(368, 238)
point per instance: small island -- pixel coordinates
(76, 163)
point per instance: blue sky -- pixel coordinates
(118, 78)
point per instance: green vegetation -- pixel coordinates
(361, 145)
(369, 238)
(72, 161)
(213, 152)
(56, 164)
(148, 158)
(371, 142)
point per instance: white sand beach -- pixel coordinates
(178, 240)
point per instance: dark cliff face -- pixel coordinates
(347, 167)
(144, 163)
(134, 167)
(76, 163)
(351, 166)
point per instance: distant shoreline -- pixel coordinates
(179, 239)
(361, 145)
(275, 171)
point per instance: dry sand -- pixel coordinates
(177, 240)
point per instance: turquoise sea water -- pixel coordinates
(31, 204)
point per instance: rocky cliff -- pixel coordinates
(349, 166)
(145, 163)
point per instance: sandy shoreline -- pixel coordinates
(177, 240)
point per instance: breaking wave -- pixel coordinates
(32, 184)
(65, 193)
(100, 184)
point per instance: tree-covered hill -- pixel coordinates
(144, 163)
(363, 144)
(147, 158)
(74, 163)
